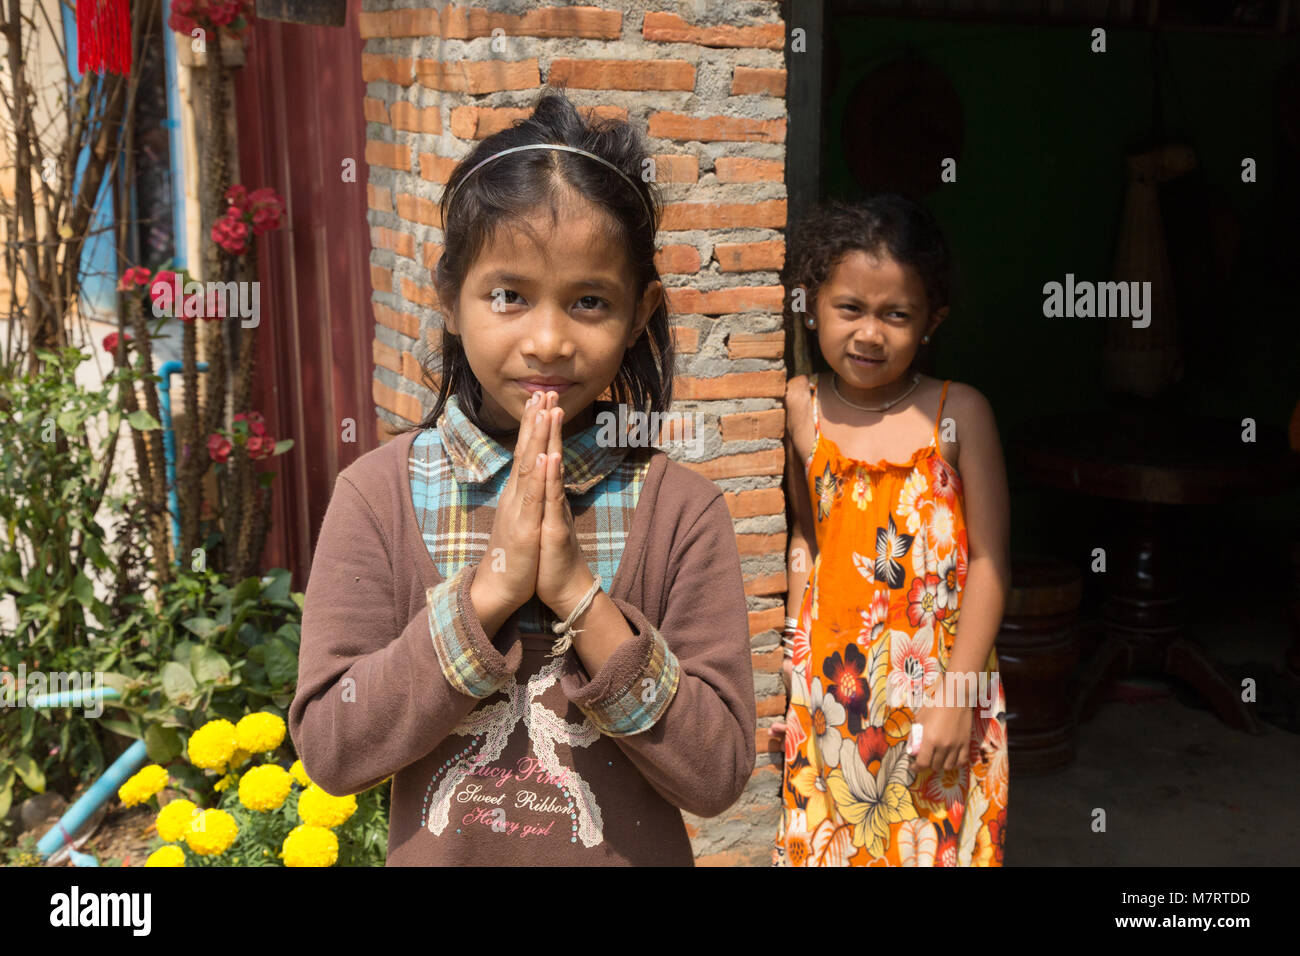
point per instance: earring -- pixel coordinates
(812, 323)
(925, 340)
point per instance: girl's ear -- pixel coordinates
(449, 320)
(936, 320)
(650, 300)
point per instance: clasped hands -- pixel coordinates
(533, 548)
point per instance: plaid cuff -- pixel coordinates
(633, 690)
(468, 660)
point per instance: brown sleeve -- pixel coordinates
(372, 695)
(679, 699)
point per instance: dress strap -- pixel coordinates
(939, 417)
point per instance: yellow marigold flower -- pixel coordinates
(224, 782)
(174, 819)
(319, 809)
(300, 773)
(212, 745)
(211, 832)
(260, 732)
(265, 787)
(170, 855)
(239, 757)
(143, 785)
(310, 846)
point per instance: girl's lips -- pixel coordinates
(866, 363)
(534, 387)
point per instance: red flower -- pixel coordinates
(267, 210)
(136, 275)
(182, 17)
(872, 744)
(260, 446)
(231, 234)
(218, 448)
(256, 424)
(161, 280)
(237, 196)
(111, 340)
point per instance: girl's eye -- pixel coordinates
(593, 298)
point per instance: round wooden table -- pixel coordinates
(1155, 466)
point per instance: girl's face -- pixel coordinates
(871, 315)
(559, 312)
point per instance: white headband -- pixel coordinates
(570, 149)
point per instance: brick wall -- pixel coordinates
(706, 84)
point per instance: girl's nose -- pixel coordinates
(547, 335)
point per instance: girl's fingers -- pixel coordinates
(534, 497)
(523, 443)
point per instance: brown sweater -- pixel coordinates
(523, 776)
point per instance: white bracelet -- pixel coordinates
(565, 628)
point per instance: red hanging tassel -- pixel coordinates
(104, 36)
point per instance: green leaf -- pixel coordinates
(283, 445)
(67, 420)
(143, 421)
(31, 773)
(247, 590)
(177, 681)
(162, 743)
(114, 421)
(181, 652)
(123, 727)
(281, 662)
(208, 665)
(204, 627)
(82, 589)
(278, 589)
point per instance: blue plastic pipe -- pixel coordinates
(99, 791)
(166, 372)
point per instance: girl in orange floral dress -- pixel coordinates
(895, 739)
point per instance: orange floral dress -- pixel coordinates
(877, 623)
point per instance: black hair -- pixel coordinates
(882, 223)
(506, 190)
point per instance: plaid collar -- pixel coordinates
(476, 457)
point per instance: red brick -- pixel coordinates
(757, 80)
(388, 357)
(745, 169)
(732, 385)
(670, 28)
(766, 584)
(436, 168)
(687, 340)
(419, 293)
(432, 253)
(402, 322)
(769, 662)
(379, 198)
(407, 407)
(477, 122)
(758, 501)
(392, 69)
(418, 209)
(403, 243)
(679, 259)
(772, 705)
(760, 544)
(764, 742)
(466, 23)
(392, 155)
(771, 462)
(478, 76)
(376, 111)
(637, 75)
(381, 279)
(751, 426)
(676, 168)
(750, 256)
(751, 298)
(760, 621)
(769, 213)
(712, 129)
(417, 119)
(769, 345)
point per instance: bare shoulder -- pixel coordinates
(967, 405)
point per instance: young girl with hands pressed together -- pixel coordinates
(534, 624)
(895, 740)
